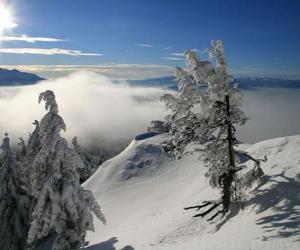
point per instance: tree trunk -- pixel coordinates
(228, 177)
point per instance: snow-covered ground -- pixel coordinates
(142, 194)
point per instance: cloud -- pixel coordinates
(167, 47)
(145, 45)
(181, 54)
(246, 71)
(29, 39)
(94, 108)
(177, 54)
(272, 112)
(101, 112)
(50, 52)
(172, 58)
(113, 71)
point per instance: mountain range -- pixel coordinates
(15, 77)
(246, 83)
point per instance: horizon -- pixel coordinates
(50, 38)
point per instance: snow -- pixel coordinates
(142, 194)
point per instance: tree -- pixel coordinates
(90, 161)
(188, 110)
(23, 150)
(204, 113)
(63, 207)
(13, 202)
(158, 126)
(26, 156)
(224, 114)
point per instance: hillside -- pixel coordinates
(142, 194)
(15, 77)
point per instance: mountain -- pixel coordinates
(246, 83)
(142, 193)
(15, 77)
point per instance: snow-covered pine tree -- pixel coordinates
(63, 207)
(21, 167)
(90, 161)
(224, 113)
(157, 126)
(23, 149)
(34, 143)
(188, 116)
(13, 203)
(27, 155)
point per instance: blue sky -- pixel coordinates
(261, 37)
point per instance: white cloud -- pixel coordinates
(181, 54)
(173, 58)
(272, 112)
(108, 114)
(54, 51)
(114, 71)
(168, 47)
(145, 45)
(177, 54)
(94, 108)
(29, 39)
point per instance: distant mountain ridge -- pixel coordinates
(15, 77)
(246, 83)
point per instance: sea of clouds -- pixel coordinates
(107, 114)
(95, 109)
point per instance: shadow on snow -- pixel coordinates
(280, 194)
(108, 245)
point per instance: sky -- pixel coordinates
(261, 37)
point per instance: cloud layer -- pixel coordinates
(273, 112)
(113, 71)
(54, 51)
(29, 39)
(109, 114)
(95, 109)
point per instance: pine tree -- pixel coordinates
(27, 155)
(13, 203)
(157, 126)
(224, 114)
(23, 150)
(63, 207)
(90, 161)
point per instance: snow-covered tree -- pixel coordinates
(158, 126)
(13, 203)
(23, 149)
(90, 161)
(224, 114)
(188, 110)
(27, 155)
(63, 207)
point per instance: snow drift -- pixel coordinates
(143, 194)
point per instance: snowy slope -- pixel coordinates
(142, 194)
